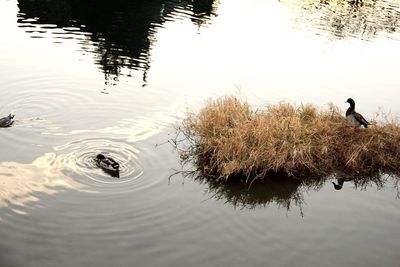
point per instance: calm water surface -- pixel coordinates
(85, 77)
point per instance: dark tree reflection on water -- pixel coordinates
(362, 19)
(284, 192)
(122, 31)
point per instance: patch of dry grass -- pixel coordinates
(228, 138)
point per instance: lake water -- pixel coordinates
(85, 77)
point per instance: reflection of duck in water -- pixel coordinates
(107, 163)
(7, 121)
(339, 184)
(354, 118)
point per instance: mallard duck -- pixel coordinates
(107, 163)
(355, 119)
(7, 121)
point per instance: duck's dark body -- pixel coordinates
(7, 121)
(354, 118)
(107, 163)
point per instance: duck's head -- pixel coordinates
(351, 102)
(100, 157)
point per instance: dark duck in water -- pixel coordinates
(7, 121)
(107, 163)
(354, 118)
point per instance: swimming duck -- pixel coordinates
(7, 121)
(355, 119)
(107, 163)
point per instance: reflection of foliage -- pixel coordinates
(122, 30)
(284, 192)
(362, 19)
(202, 9)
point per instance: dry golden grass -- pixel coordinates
(228, 138)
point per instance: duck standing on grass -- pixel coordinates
(7, 121)
(107, 163)
(355, 119)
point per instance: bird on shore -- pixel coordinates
(354, 118)
(7, 121)
(107, 163)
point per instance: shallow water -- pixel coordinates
(88, 77)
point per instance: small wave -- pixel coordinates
(78, 159)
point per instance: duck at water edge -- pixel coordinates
(7, 121)
(354, 118)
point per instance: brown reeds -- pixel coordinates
(228, 138)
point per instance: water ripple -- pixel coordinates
(77, 159)
(43, 95)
